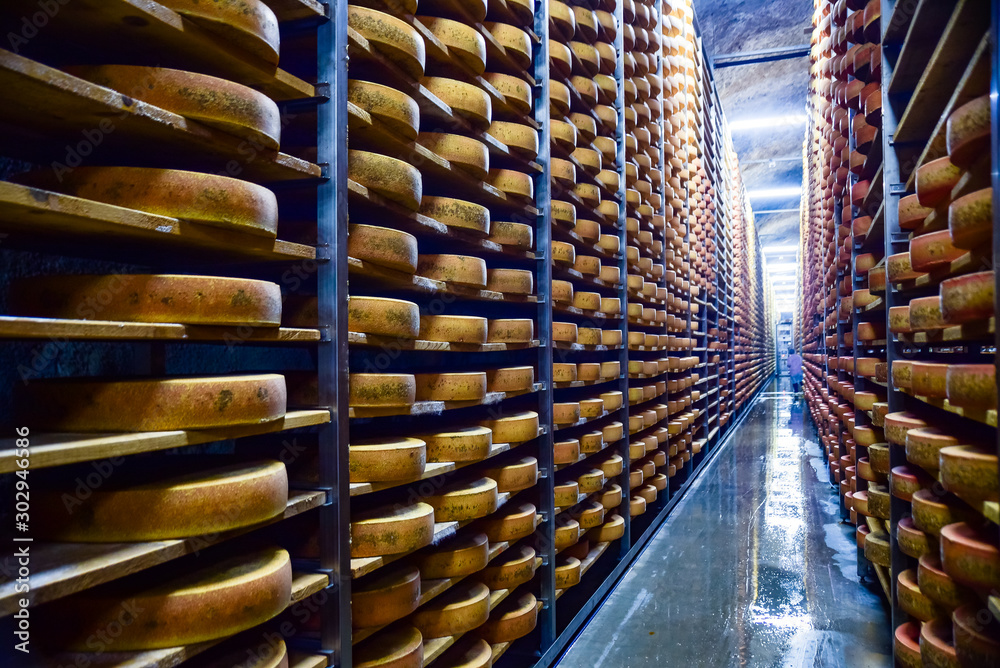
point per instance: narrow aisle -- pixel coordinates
(752, 568)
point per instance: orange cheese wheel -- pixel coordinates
(460, 609)
(911, 213)
(929, 379)
(929, 251)
(211, 199)
(395, 109)
(970, 220)
(201, 300)
(967, 298)
(467, 100)
(512, 568)
(394, 37)
(566, 412)
(976, 637)
(968, 132)
(937, 584)
(470, 444)
(587, 301)
(384, 317)
(970, 555)
(567, 571)
(877, 548)
(936, 648)
(924, 445)
(391, 530)
(468, 653)
(465, 501)
(457, 213)
(515, 428)
(972, 385)
(970, 471)
(519, 138)
(899, 268)
(567, 533)
(383, 246)
(515, 41)
(589, 336)
(382, 389)
(564, 134)
(563, 372)
(515, 476)
(566, 452)
(463, 41)
(511, 379)
(925, 313)
(460, 269)
(512, 619)
(75, 404)
(468, 386)
(209, 603)
(935, 181)
(566, 493)
(510, 524)
(564, 331)
(189, 503)
(387, 460)
(386, 597)
(453, 328)
(517, 235)
(613, 529)
(395, 647)
(510, 281)
(912, 541)
(931, 513)
(511, 330)
(462, 555)
(392, 178)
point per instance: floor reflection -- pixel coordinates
(753, 568)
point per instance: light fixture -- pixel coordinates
(791, 191)
(782, 268)
(789, 120)
(780, 249)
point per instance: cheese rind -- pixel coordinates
(457, 213)
(513, 619)
(462, 608)
(385, 598)
(249, 24)
(383, 317)
(466, 100)
(471, 444)
(395, 37)
(463, 555)
(391, 530)
(461, 269)
(383, 246)
(465, 501)
(467, 386)
(382, 389)
(389, 177)
(513, 568)
(453, 328)
(387, 460)
(400, 646)
(397, 110)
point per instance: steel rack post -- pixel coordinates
(995, 166)
(335, 517)
(663, 174)
(543, 269)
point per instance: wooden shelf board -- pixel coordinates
(60, 449)
(400, 280)
(357, 338)
(18, 327)
(987, 416)
(972, 331)
(301, 660)
(293, 10)
(437, 407)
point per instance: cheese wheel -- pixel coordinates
(188, 503)
(510, 525)
(274, 654)
(211, 199)
(968, 132)
(935, 181)
(470, 444)
(613, 529)
(383, 246)
(460, 609)
(563, 372)
(559, 99)
(929, 251)
(391, 178)
(566, 413)
(516, 91)
(510, 569)
(587, 301)
(466, 153)
(465, 501)
(967, 298)
(382, 389)
(877, 548)
(395, 109)
(467, 100)
(510, 281)
(200, 300)
(515, 41)
(610, 370)
(611, 498)
(453, 328)
(386, 597)
(936, 648)
(566, 452)
(520, 139)
(899, 268)
(938, 585)
(400, 646)
(912, 601)
(970, 220)
(931, 513)
(511, 330)
(218, 103)
(77, 404)
(912, 541)
(457, 213)
(878, 455)
(612, 466)
(511, 183)
(468, 386)
(564, 134)
(970, 555)
(515, 428)
(589, 515)
(564, 212)
(391, 530)
(398, 40)
(512, 619)
(567, 493)
(248, 24)
(972, 385)
(460, 269)
(515, 476)
(928, 379)
(970, 471)
(592, 441)
(588, 265)
(387, 460)
(567, 571)
(383, 317)
(468, 653)
(463, 41)
(567, 533)
(925, 313)
(564, 331)
(462, 555)
(911, 213)
(518, 235)
(511, 379)
(976, 636)
(611, 337)
(562, 292)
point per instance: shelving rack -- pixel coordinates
(879, 374)
(705, 230)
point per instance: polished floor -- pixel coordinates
(752, 568)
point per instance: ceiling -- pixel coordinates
(770, 157)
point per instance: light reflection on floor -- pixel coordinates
(753, 568)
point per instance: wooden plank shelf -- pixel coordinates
(35, 214)
(968, 262)
(56, 109)
(295, 10)
(59, 449)
(595, 316)
(584, 456)
(583, 421)
(359, 339)
(19, 327)
(565, 234)
(579, 347)
(61, 569)
(987, 416)
(438, 407)
(578, 278)
(411, 282)
(974, 331)
(582, 383)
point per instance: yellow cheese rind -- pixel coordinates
(518, 235)
(469, 101)
(460, 609)
(515, 428)
(510, 281)
(248, 24)
(396, 647)
(383, 246)
(471, 155)
(395, 37)
(463, 41)
(387, 460)
(389, 177)
(68, 404)
(461, 269)
(511, 569)
(382, 390)
(513, 619)
(385, 598)
(457, 213)
(383, 317)
(468, 386)
(471, 444)
(511, 330)
(465, 501)
(511, 379)
(453, 328)
(463, 555)
(510, 525)
(391, 530)
(394, 108)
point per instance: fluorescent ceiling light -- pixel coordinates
(783, 268)
(780, 249)
(789, 120)
(764, 193)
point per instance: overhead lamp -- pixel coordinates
(772, 193)
(779, 249)
(788, 120)
(783, 268)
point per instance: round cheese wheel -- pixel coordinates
(566, 452)
(510, 281)
(610, 498)
(395, 109)
(592, 441)
(200, 300)
(562, 292)
(463, 41)
(515, 428)
(611, 530)
(566, 493)
(515, 476)
(457, 213)
(968, 132)
(512, 619)
(511, 330)
(465, 501)
(510, 569)
(515, 41)
(911, 213)
(558, 99)
(929, 251)
(567, 533)
(387, 460)
(188, 503)
(453, 328)
(467, 100)
(567, 571)
(589, 336)
(394, 37)
(382, 389)
(967, 298)
(513, 184)
(383, 317)
(912, 541)
(928, 379)
(878, 456)
(563, 372)
(391, 530)
(218, 103)
(511, 379)
(936, 648)
(564, 134)
(385, 597)
(460, 609)
(400, 646)
(970, 471)
(392, 178)
(383, 246)
(511, 524)
(519, 138)
(931, 513)
(247, 24)
(211, 199)
(516, 91)
(877, 548)
(912, 601)
(466, 153)
(468, 386)
(970, 555)
(938, 585)
(566, 413)
(564, 212)
(976, 636)
(925, 313)
(470, 444)
(972, 385)
(518, 235)
(590, 514)
(460, 269)
(564, 331)
(611, 337)
(970, 220)
(935, 181)
(468, 653)
(462, 555)
(905, 480)
(78, 404)
(587, 301)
